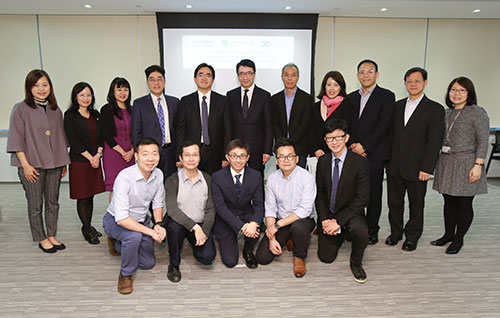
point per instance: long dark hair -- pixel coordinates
(31, 79)
(337, 77)
(75, 91)
(119, 82)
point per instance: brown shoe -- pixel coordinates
(289, 245)
(111, 247)
(125, 284)
(299, 266)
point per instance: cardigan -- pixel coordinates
(78, 134)
(108, 125)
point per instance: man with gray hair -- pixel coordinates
(292, 109)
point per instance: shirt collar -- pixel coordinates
(291, 176)
(250, 89)
(293, 94)
(368, 92)
(184, 177)
(138, 174)
(341, 157)
(155, 98)
(234, 173)
(200, 95)
(414, 102)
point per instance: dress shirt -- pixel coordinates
(132, 194)
(364, 98)
(294, 194)
(289, 103)
(166, 115)
(192, 196)
(249, 94)
(234, 173)
(341, 162)
(200, 100)
(410, 107)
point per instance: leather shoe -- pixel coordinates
(174, 274)
(111, 247)
(51, 250)
(409, 246)
(289, 245)
(125, 284)
(454, 248)
(359, 273)
(60, 247)
(392, 240)
(299, 266)
(250, 260)
(440, 241)
(373, 238)
(96, 232)
(90, 236)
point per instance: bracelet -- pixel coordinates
(479, 164)
(157, 223)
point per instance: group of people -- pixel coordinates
(204, 155)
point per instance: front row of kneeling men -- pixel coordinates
(231, 202)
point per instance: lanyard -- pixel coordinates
(449, 126)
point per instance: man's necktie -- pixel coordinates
(161, 119)
(244, 107)
(204, 121)
(237, 185)
(335, 184)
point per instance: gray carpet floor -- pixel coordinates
(81, 280)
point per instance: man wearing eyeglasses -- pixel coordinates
(155, 116)
(238, 199)
(289, 200)
(250, 108)
(343, 192)
(205, 119)
(373, 108)
(417, 133)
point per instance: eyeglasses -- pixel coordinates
(245, 74)
(418, 82)
(191, 155)
(156, 79)
(207, 75)
(461, 91)
(234, 156)
(283, 158)
(363, 72)
(336, 138)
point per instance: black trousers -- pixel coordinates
(397, 187)
(167, 161)
(329, 245)
(210, 160)
(300, 233)
(176, 234)
(376, 188)
(458, 216)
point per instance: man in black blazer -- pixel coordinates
(343, 193)
(292, 109)
(417, 134)
(373, 108)
(238, 198)
(205, 119)
(149, 120)
(250, 108)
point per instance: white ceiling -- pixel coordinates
(490, 9)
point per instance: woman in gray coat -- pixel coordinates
(460, 173)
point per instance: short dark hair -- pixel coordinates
(416, 69)
(75, 91)
(334, 124)
(468, 85)
(30, 81)
(205, 65)
(146, 141)
(154, 68)
(118, 82)
(188, 143)
(367, 61)
(247, 63)
(284, 142)
(237, 143)
(337, 77)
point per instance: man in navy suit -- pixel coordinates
(155, 116)
(251, 113)
(373, 108)
(204, 118)
(238, 198)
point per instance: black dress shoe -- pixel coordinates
(392, 240)
(60, 247)
(359, 273)
(174, 274)
(373, 238)
(441, 241)
(454, 248)
(250, 260)
(409, 246)
(51, 250)
(90, 236)
(96, 232)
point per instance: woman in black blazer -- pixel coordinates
(333, 104)
(83, 129)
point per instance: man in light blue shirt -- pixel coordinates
(290, 194)
(126, 221)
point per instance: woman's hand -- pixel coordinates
(64, 171)
(475, 173)
(128, 155)
(318, 153)
(30, 173)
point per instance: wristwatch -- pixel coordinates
(276, 225)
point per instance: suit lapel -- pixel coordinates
(230, 183)
(154, 114)
(346, 168)
(294, 110)
(416, 113)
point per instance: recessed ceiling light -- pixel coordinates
(383, 9)
(188, 6)
(477, 11)
(288, 8)
(88, 6)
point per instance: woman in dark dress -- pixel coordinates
(333, 104)
(115, 121)
(83, 129)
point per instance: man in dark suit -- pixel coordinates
(373, 108)
(292, 109)
(238, 198)
(417, 133)
(250, 108)
(343, 191)
(204, 118)
(155, 116)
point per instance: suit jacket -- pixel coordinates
(373, 127)
(250, 205)
(219, 125)
(415, 147)
(78, 134)
(299, 123)
(257, 128)
(353, 189)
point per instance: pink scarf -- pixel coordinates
(332, 103)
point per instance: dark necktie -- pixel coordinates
(335, 184)
(244, 106)
(237, 185)
(204, 121)
(161, 119)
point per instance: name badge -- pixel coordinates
(446, 149)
